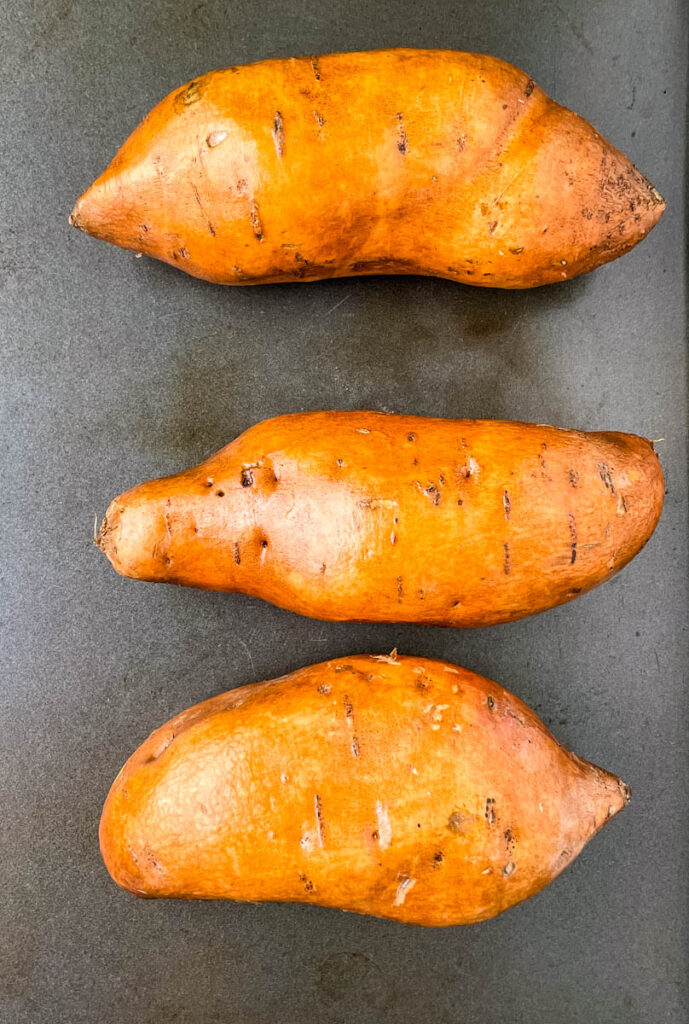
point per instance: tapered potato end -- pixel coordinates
(134, 536)
(105, 211)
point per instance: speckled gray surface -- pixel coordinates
(116, 369)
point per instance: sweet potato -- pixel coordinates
(400, 787)
(396, 162)
(368, 516)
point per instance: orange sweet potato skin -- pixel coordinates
(395, 161)
(376, 517)
(400, 787)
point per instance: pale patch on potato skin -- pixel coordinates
(254, 795)
(299, 511)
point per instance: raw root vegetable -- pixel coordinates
(375, 517)
(390, 162)
(400, 787)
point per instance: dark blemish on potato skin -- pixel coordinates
(400, 589)
(264, 543)
(308, 884)
(315, 68)
(247, 478)
(411, 436)
(489, 813)
(438, 858)
(604, 473)
(150, 857)
(573, 536)
(506, 563)
(355, 746)
(348, 706)
(573, 477)
(237, 556)
(530, 86)
(490, 702)
(507, 504)
(517, 250)
(320, 120)
(402, 142)
(542, 463)
(220, 494)
(491, 228)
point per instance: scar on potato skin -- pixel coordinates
(279, 133)
(320, 822)
(255, 221)
(199, 201)
(573, 536)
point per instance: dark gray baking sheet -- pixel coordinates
(116, 369)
